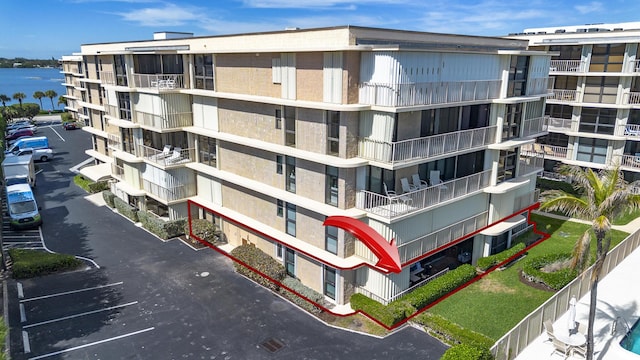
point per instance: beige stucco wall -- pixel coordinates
(251, 163)
(351, 76)
(248, 74)
(249, 119)
(309, 76)
(311, 130)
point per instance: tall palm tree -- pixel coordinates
(62, 100)
(4, 99)
(19, 96)
(51, 94)
(605, 195)
(39, 95)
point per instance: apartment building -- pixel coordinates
(417, 135)
(594, 112)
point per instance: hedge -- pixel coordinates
(126, 209)
(487, 262)
(466, 352)
(97, 187)
(555, 280)
(452, 333)
(203, 229)
(254, 257)
(31, 263)
(297, 286)
(162, 229)
(376, 310)
(108, 197)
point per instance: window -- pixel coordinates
(518, 72)
(279, 251)
(601, 89)
(333, 132)
(276, 70)
(279, 164)
(598, 120)
(559, 111)
(204, 72)
(507, 165)
(290, 262)
(330, 282)
(291, 174)
(331, 239)
(121, 70)
(278, 119)
(499, 243)
(592, 150)
(127, 140)
(512, 120)
(207, 151)
(124, 106)
(291, 219)
(331, 191)
(290, 126)
(280, 206)
(607, 57)
(158, 64)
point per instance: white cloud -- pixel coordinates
(318, 4)
(167, 15)
(591, 7)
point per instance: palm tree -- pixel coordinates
(39, 95)
(19, 96)
(605, 195)
(4, 99)
(50, 94)
(62, 101)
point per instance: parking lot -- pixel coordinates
(142, 298)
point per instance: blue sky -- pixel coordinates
(52, 28)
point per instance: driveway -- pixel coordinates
(151, 299)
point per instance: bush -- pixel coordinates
(440, 286)
(555, 280)
(97, 187)
(66, 117)
(126, 209)
(297, 286)
(82, 182)
(452, 333)
(254, 257)
(547, 184)
(376, 310)
(108, 197)
(466, 352)
(203, 229)
(162, 229)
(32, 263)
(488, 262)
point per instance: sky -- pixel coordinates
(45, 29)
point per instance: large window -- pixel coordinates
(207, 151)
(290, 125)
(290, 262)
(330, 282)
(204, 72)
(512, 120)
(567, 52)
(598, 120)
(331, 191)
(158, 64)
(291, 174)
(559, 111)
(607, 58)
(124, 106)
(518, 71)
(565, 82)
(507, 165)
(127, 140)
(333, 132)
(601, 89)
(291, 219)
(331, 239)
(121, 70)
(592, 150)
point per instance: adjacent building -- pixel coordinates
(419, 135)
(594, 111)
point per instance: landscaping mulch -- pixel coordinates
(533, 284)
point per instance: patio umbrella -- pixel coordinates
(571, 321)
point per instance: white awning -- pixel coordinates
(97, 172)
(504, 226)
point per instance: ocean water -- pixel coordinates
(28, 81)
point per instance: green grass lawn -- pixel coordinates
(497, 302)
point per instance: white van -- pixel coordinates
(22, 208)
(34, 142)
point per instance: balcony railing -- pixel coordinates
(632, 98)
(559, 124)
(114, 141)
(428, 93)
(634, 66)
(530, 164)
(159, 81)
(117, 171)
(632, 130)
(564, 95)
(425, 147)
(169, 193)
(107, 77)
(169, 121)
(549, 151)
(567, 65)
(631, 161)
(173, 157)
(391, 207)
(535, 126)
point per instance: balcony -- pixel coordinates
(559, 124)
(632, 98)
(169, 193)
(632, 130)
(634, 66)
(549, 151)
(391, 207)
(564, 95)
(168, 157)
(567, 66)
(629, 161)
(422, 148)
(161, 82)
(117, 171)
(107, 77)
(114, 142)
(535, 126)
(428, 93)
(533, 163)
(539, 86)
(169, 121)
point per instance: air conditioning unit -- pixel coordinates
(560, 31)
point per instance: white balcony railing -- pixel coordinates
(634, 66)
(117, 171)
(567, 65)
(425, 147)
(428, 93)
(559, 124)
(535, 126)
(530, 164)
(159, 81)
(173, 157)
(633, 98)
(169, 121)
(169, 193)
(107, 77)
(630, 161)
(114, 141)
(549, 151)
(417, 200)
(632, 130)
(564, 95)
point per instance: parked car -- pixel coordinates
(19, 134)
(22, 126)
(40, 154)
(70, 126)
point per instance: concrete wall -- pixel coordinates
(248, 74)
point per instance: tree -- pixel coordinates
(19, 96)
(62, 101)
(51, 94)
(605, 195)
(38, 95)
(9, 113)
(30, 110)
(4, 99)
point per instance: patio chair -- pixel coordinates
(406, 187)
(166, 151)
(561, 348)
(418, 183)
(395, 197)
(175, 156)
(170, 83)
(434, 179)
(548, 327)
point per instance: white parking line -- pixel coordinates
(54, 130)
(78, 315)
(25, 342)
(23, 315)
(20, 291)
(72, 292)
(91, 344)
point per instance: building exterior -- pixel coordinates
(595, 107)
(418, 135)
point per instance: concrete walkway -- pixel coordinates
(618, 296)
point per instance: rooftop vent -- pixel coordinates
(292, 28)
(560, 31)
(541, 32)
(581, 30)
(618, 29)
(166, 35)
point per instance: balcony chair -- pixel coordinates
(548, 327)
(561, 348)
(166, 151)
(406, 187)
(395, 197)
(418, 183)
(434, 179)
(175, 157)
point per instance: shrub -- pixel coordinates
(97, 187)
(487, 262)
(438, 287)
(126, 209)
(547, 184)
(31, 263)
(452, 333)
(162, 229)
(297, 286)
(203, 229)
(82, 182)
(260, 261)
(555, 280)
(66, 117)
(466, 352)
(375, 310)
(108, 197)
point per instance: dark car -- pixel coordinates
(19, 133)
(70, 126)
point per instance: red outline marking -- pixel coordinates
(544, 235)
